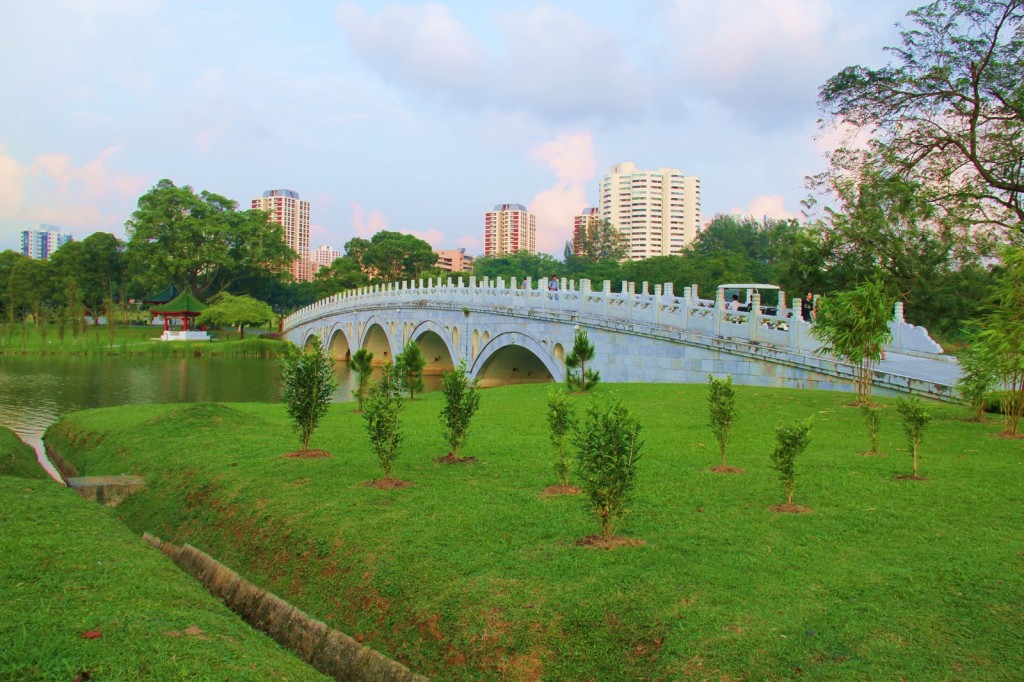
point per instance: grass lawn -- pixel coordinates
(28, 339)
(473, 573)
(17, 458)
(82, 597)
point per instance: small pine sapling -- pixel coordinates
(461, 400)
(409, 366)
(582, 353)
(307, 380)
(361, 363)
(722, 409)
(560, 423)
(915, 419)
(608, 444)
(873, 420)
(792, 440)
(383, 407)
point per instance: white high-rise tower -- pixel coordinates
(657, 211)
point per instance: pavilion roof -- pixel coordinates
(165, 296)
(184, 303)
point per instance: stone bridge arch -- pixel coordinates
(377, 340)
(339, 345)
(515, 358)
(434, 343)
(308, 342)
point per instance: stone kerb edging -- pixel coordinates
(326, 649)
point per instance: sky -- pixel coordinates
(417, 117)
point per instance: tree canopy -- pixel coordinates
(237, 311)
(948, 112)
(200, 242)
(601, 241)
(390, 256)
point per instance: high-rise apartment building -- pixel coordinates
(325, 255)
(582, 224)
(509, 228)
(657, 211)
(40, 243)
(291, 213)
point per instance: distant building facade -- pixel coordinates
(658, 211)
(322, 257)
(582, 224)
(291, 213)
(509, 228)
(42, 242)
(453, 260)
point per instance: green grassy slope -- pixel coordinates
(17, 458)
(71, 571)
(473, 573)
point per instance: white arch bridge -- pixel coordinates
(511, 334)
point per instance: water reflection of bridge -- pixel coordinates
(511, 334)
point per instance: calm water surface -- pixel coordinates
(36, 391)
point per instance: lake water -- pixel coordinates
(35, 391)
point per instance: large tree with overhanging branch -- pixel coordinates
(948, 111)
(201, 242)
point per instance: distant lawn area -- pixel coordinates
(473, 573)
(29, 339)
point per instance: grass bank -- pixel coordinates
(28, 339)
(473, 573)
(81, 597)
(17, 458)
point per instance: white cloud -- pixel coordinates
(763, 60)
(12, 186)
(367, 224)
(571, 158)
(53, 189)
(550, 62)
(421, 46)
(767, 206)
(431, 235)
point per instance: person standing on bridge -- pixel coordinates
(807, 307)
(553, 287)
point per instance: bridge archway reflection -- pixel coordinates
(435, 351)
(376, 341)
(514, 358)
(339, 347)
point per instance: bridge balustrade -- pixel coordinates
(659, 309)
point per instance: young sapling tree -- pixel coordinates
(978, 380)
(560, 423)
(608, 444)
(409, 366)
(791, 441)
(307, 380)
(873, 420)
(915, 419)
(854, 326)
(722, 414)
(382, 410)
(582, 353)
(461, 400)
(361, 363)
